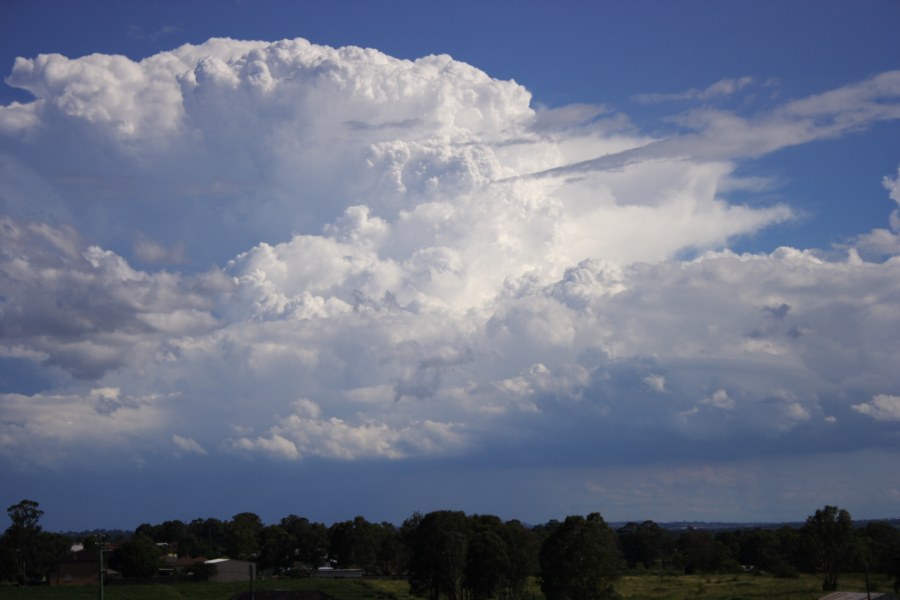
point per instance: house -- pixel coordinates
(79, 568)
(229, 569)
(173, 565)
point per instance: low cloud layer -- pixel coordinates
(385, 260)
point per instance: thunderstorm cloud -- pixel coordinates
(286, 252)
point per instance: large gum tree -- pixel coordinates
(580, 560)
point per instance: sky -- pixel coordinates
(528, 259)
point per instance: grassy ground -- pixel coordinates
(631, 587)
(343, 590)
(735, 587)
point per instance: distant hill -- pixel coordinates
(728, 526)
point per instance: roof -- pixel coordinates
(218, 561)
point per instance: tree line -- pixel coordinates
(449, 554)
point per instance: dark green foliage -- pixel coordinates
(175, 533)
(882, 544)
(22, 539)
(646, 544)
(277, 548)
(26, 552)
(831, 531)
(391, 557)
(580, 560)
(480, 557)
(487, 559)
(355, 544)
(439, 546)
(797, 546)
(522, 547)
(449, 555)
(25, 516)
(376, 549)
(761, 550)
(138, 557)
(243, 532)
(211, 535)
(310, 539)
(701, 552)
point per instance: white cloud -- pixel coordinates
(148, 251)
(303, 434)
(48, 429)
(442, 268)
(893, 186)
(230, 125)
(884, 242)
(720, 135)
(721, 88)
(655, 382)
(275, 445)
(882, 407)
(188, 445)
(86, 309)
(720, 399)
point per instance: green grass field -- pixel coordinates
(730, 587)
(631, 587)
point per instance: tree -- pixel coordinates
(438, 555)
(408, 538)
(138, 557)
(522, 547)
(311, 539)
(391, 557)
(25, 515)
(883, 542)
(701, 552)
(51, 546)
(580, 560)
(277, 548)
(761, 549)
(487, 559)
(354, 544)
(26, 552)
(243, 535)
(22, 538)
(211, 536)
(643, 543)
(831, 530)
(9, 564)
(797, 547)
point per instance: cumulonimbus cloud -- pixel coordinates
(388, 259)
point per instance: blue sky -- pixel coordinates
(515, 258)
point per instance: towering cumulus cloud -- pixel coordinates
(395, 260)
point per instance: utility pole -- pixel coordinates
(868, 591)
(251, 568)
(100, 575)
